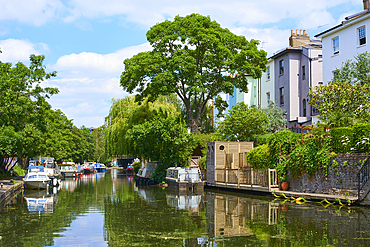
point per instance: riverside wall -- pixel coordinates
(341, 179)
(8, 190)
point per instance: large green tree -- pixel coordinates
(347, 94)
(242, 123)
(22, 108)
(192, 57)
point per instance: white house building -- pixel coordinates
(268, 84)
(344, 41)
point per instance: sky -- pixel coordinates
(86, 41)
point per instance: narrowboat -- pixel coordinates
(185, 178)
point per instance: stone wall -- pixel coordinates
(340, 179)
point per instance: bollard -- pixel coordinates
(1, 186)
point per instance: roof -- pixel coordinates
(345, 22)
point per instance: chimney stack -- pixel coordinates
(366, 4)
(299, 38)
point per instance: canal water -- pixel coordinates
(110, 210)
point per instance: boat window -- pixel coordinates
(32, 177)
(42, 176)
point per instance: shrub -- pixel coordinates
(341, 139)
(361, 136)
(258, 157)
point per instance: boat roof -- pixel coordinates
(40, 168)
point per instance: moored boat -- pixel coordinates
(145, 173)
(36, 178)
(184, 178)
(69, 170)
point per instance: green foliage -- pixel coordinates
(341, 139)
(192, 57)
(242, 123)
(335, 163)
(137, 166)
(348, 93)
(22, 108)
(19, 171)
(361, 136)
(309, 158)
(276, 118)
(200, 144)
(345, 163)
(262, 139)
(258, 157)
(282, 144)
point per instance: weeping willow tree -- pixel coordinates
(125, 114)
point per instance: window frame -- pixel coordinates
(359, 37)
(304, 106)
(335, 46)
(303, 72)
(281, 67)
(268, 96)
(268, 73)
(281, 92)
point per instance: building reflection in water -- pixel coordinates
(227, 215)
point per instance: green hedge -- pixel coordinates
(341, 139)
(361, 136)
(258, 157)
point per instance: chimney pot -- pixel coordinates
(296, 31)
(291, 33)
(300, 32)
(304, 33)
(366, 4)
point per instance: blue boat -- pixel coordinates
(100, 167)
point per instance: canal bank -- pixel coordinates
(9, 187)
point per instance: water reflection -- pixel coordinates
(40, 200)
(108, 210)
(184, 200)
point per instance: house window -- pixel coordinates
(361, 35)
(281, 96)
(303, 72)
(268, 97)
(281, 67)
(268, 73)
(304, 107)
(336, 45)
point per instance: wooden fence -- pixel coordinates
(249, 179)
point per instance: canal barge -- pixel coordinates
(184, 178)
(145, 173)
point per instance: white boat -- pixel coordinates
(51, 168)
(184, 178)
(36, 178)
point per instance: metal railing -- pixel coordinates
(363, 177)
(252, 177)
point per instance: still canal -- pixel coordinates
(110, 210)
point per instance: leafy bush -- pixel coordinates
(341, 139)
(19, 171)
(137, 166)
(361, 137)
(262, 139)
(282, 144)
(259, 157)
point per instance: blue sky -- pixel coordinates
(86, 41)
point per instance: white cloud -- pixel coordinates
(36, 12)
(15, 50)
(88, 63)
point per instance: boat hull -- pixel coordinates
(36, 184)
